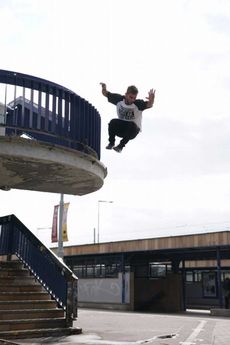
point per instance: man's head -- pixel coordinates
(131, 94)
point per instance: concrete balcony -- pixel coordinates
(38, 166)
(49, 138)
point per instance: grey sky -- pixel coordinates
(174, 177)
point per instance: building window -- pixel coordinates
(193, 276)
(111, 271)
(159, 270)
(96, 271)
(197, 276)
(209, 284)
(90, 271)
(189, 276)
(100, 271)
(224, 275)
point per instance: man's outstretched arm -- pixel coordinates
(151, 98)
(104, 89)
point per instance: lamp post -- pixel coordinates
(98, 216)
(60, 239)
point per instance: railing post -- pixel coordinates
(71, 305)
(7, 238)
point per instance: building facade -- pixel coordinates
(161, 274)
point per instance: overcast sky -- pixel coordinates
(174, 178)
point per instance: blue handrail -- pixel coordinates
(53, 274)
(59, 115)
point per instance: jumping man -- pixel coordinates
(129, 111)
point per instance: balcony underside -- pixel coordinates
(31, 165)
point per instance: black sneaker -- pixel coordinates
(118, 148)
(109, 147)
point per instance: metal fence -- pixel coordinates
(48, 112)
(53, 274)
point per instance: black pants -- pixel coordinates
(126, 130)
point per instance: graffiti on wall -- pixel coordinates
(107, 290)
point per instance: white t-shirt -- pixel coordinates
(126, 112)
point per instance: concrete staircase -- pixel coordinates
(26, 308)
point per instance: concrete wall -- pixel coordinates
(164, 294)
(127, 293)
(105, 290)
(195, 298)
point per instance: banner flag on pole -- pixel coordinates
(64, 222)
(54, 237)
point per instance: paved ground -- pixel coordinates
(129, 328)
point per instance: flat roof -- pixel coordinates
(192, 245)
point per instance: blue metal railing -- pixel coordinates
(53, 274)
(58, 115)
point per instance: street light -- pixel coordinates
(60, 239)
(98, 216)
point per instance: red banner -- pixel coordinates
(54, 225)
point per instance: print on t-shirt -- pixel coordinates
(125, 113)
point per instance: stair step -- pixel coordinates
(21, 288)
(19, 296)
(11, 264)
(9, 305)
(26, 324)
(31, 314)
(26, 308)
(40, 333)
(8, 272)
(18, 280)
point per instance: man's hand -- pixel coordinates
(151, 98)
(104, 90)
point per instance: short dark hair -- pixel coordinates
(132, 89)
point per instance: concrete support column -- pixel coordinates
(219, 283)
(123, 279)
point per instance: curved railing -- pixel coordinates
(48, 112)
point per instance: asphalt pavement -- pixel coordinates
(101, 327)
